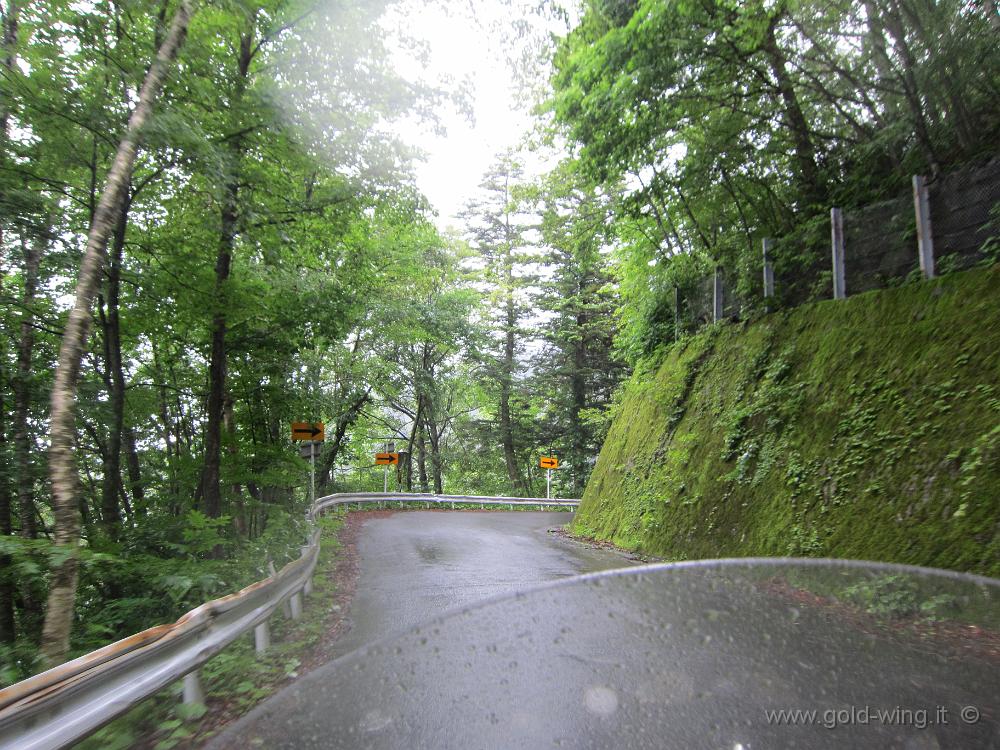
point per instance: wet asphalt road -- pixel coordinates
(416, 566)
(643, 658)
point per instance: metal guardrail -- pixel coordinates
(346, 498)
(65, 704)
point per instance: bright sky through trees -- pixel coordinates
(470, 47)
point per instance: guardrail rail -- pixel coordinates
(67, 703)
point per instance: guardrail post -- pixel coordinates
(295, 602)
(193, 692)
(308, 587)
(261, 638)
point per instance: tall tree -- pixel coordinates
(498, 231)
(578, 369)
(62, 427)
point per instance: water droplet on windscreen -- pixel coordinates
(600, 700)
(922, 741)
(374, 721)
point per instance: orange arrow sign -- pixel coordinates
(386, 459)
(548, 462)
(307, 431)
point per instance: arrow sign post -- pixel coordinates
(314, 433)
(548, 463)
(385, 460)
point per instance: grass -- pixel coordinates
(867, 428)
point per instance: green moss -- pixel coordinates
(867, 428)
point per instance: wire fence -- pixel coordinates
(964, 216)
(950, 223)
(880, 244)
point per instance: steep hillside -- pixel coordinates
(866, 428)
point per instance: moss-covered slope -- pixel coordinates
(867, 428)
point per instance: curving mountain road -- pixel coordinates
(737, 656)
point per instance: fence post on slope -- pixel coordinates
(677, 313)
(768, 245)
(837, 238)
(925, 238)
(717, 293)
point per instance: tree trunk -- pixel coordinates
(422, 461)
(62, 421)
(805, 151)
(437, 464)
(134, 472)
(22, 390)
(506, 381)
(340, 433)
(409, 447)
(229, 214)
(112, 487)
(10, 24)
(229, 422)
(111, 482)
(578, 386)
(7, 581)
(166, 432)
(877, 23)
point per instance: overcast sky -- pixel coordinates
(461, 45)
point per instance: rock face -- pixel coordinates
(862, 428)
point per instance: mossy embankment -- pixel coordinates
(867, 428)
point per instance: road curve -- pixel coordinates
(417, 565)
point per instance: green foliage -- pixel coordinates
(269, 143)
(716, 124)
(201, 533)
